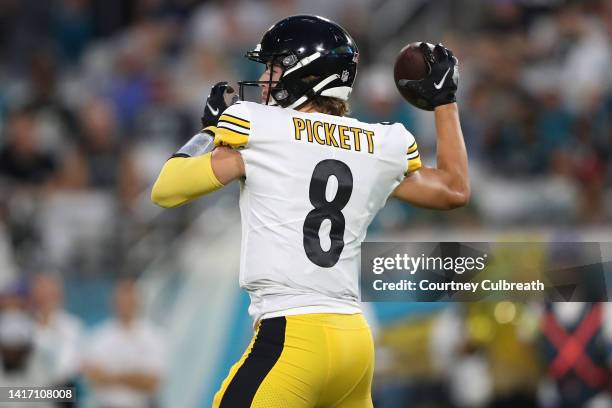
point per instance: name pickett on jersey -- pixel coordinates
(234, 129)
(334, 135)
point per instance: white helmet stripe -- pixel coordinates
(340, 92)
(324, 82)
(303, 62)
(316, 89)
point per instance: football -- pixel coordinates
(410, 65)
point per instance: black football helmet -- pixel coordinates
(316, 55)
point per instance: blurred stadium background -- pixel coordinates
(96, 94)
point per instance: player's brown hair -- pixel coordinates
(331, 106)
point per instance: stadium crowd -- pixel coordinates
(95, 95)
(121, 361)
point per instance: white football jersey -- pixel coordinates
(313, 184)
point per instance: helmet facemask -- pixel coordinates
(276, 92)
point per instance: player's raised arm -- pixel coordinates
(447, 185)
(198, 168)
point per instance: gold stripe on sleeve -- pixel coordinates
(413, 147)
(228, 137)
(235, 120)
(414, 164)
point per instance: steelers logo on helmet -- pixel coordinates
(315, 56)
(289, 60)
(280, 95)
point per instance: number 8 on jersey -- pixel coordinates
(327, 210)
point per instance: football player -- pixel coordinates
(312, 180)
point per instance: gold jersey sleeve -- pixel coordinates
(233, 128)
(413, 158)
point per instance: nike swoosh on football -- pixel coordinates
(213, 111)
(439, 85)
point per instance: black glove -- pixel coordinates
(440, 85)
(216, 104)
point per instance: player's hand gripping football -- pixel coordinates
(216, 103)
(440, 85)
